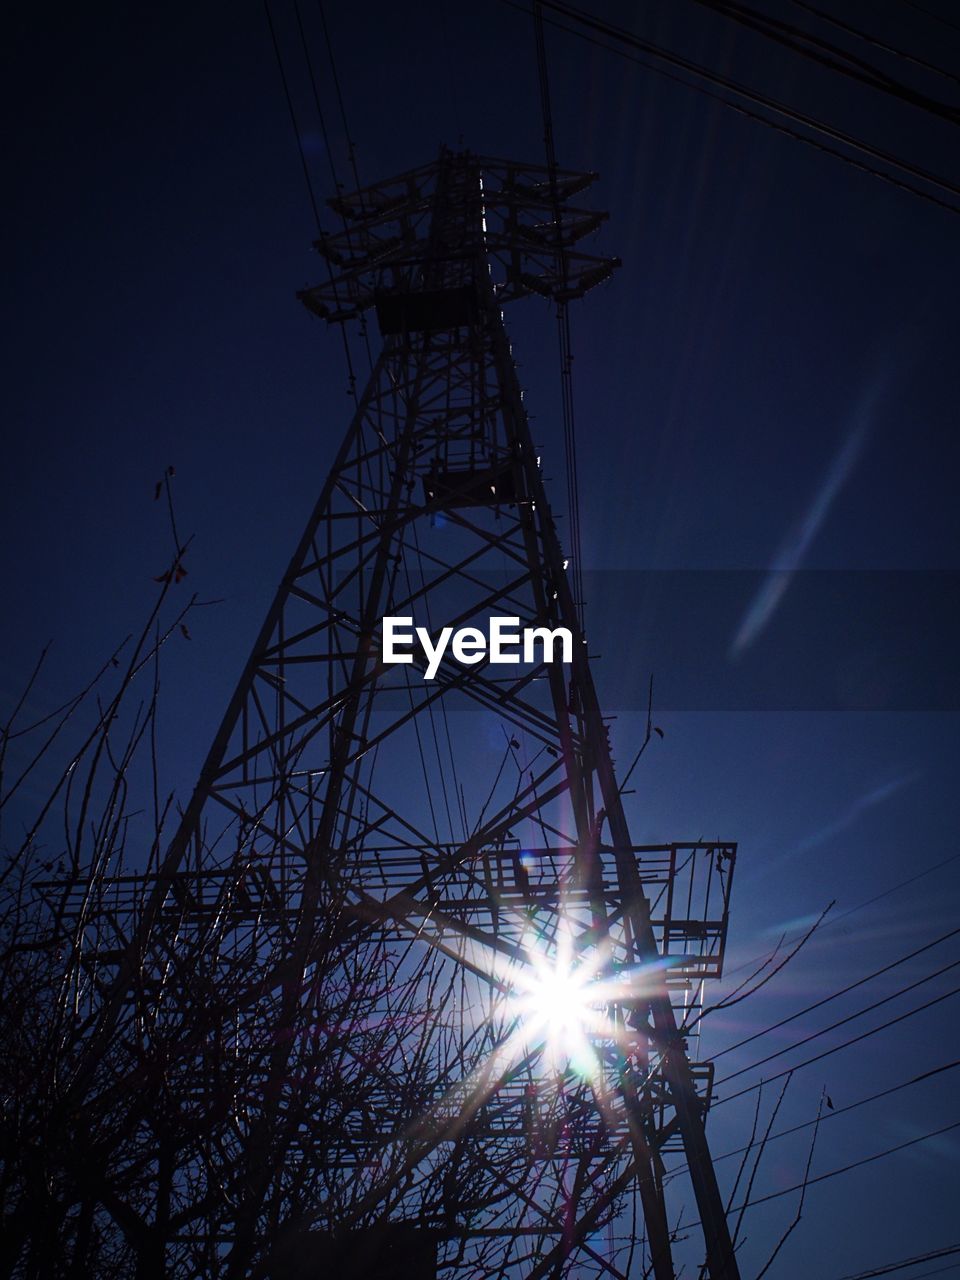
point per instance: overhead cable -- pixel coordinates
(625, 38)
(864, 1035)
(835, 995)
(829, 55)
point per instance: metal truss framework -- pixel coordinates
(304, 1032)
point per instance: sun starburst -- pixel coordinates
(561, 1002)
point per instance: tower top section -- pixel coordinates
(413, 245)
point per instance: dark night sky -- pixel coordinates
(769, 382)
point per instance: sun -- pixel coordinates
(560, 1004)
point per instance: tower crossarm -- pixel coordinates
(525, 230)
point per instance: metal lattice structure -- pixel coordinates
(305, 1052)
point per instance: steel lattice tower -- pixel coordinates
(307, 1055)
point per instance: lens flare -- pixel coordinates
(560, 1004)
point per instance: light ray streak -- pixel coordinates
(796, 545)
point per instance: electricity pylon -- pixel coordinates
(402, 995)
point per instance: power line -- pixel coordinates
(865, 1035)
(837, 1111)
(815, 1035)
(944, 862)
(293, 116)
(316, 95)
(857, 1164)
(939, 1271)
(351, 161)
(930, 14)
(889, 1267)
(860, 906)
(849, 1168)
(836, 994)
(871, 39)
(563, 322)
(828, 55)
(614, 32)
(351, 149)
(351, 375)
(781, 109)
